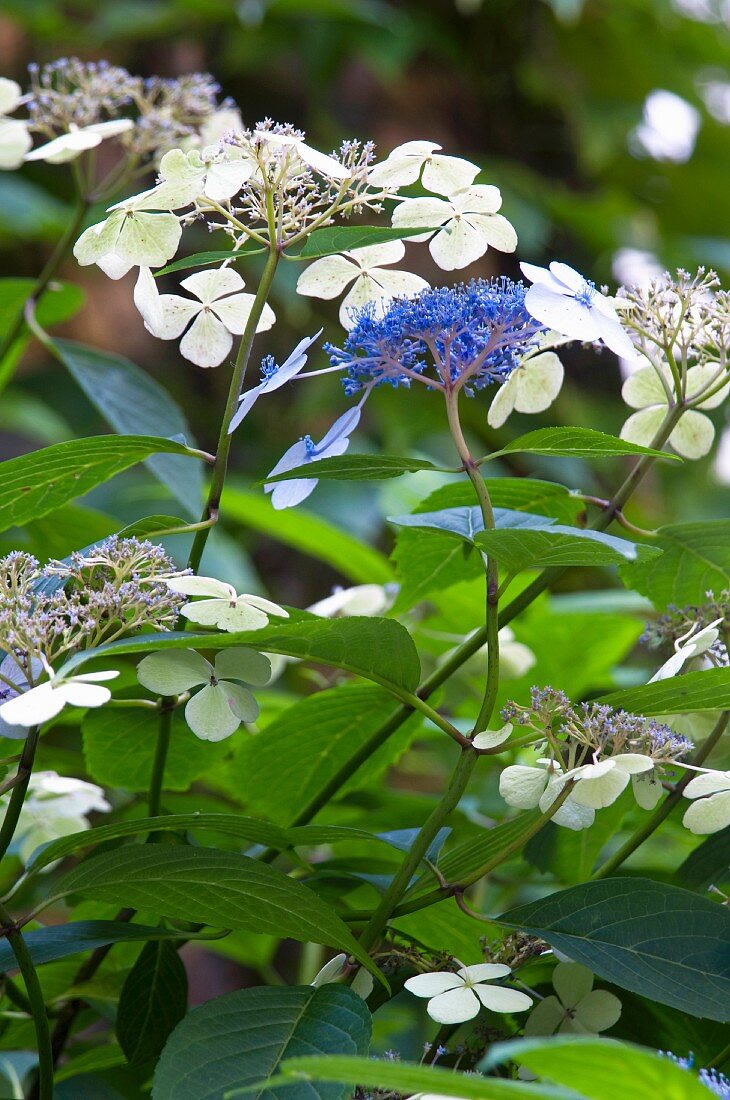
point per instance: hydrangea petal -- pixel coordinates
(235, 311)
(490, 739)
(598, 1010)
(545, 1017)
(446, 175)
(207, 342)
(647, 789)
(241, 701)
(413, 213)
(600, 792)
(498, 998)
(703, 375)
(643, 387)
(521, 786)
(241, 617)
(327, 277)
(538, 381)
(15, 141)
(572, 982)
(431, 985)
(65, 147)
(503, 402)
(83, 694)
(33, 707)
(170, 673)
(642, 427)
(693, 436)
(376, 255)
(454, 1007)
(708, 815)
(707, 783)
(213, 283)
(191, 585)
(11, 93)
(209, 715)
(458, 244)
(225, 178)
(484, 972)
(562, 313)
(243, 664)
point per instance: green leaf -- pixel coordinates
(60, 302)
(408, 1078)
(38, 483)
(519, 494)
(708, 863)
(343, 238)
(600, 1069)
(153, 1001)
(279, 773)
(153, 527)
(467, 523)
(247, 828)
(575, 443)
(696, 560)
(357, 468)
(309, 534)
(60, 940)
(133, 403)
(119, 747)
(209, 886)
(665, 943)
(222, 1045)
(201, 259)
(709, 690)
(378, 649)
(535, 548)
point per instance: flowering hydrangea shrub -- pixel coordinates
(184, 761)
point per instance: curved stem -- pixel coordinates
(420, 846)
(20, 786)
(51, 267)
(662, 812)
(43, 1089)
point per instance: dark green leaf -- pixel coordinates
(519, 494)
(153, 1001)
(356, 468)
(575, 443)
(708, 864)
(133, 403)
(209, 886)
(467, 522)
(429, 562)
(378, 649)
(240, 1039)
(696, 560)
(36, 484)
(343, 238)
(59, 940)
(533, 547)
(665, 943)
(201, 259)
(708, 690)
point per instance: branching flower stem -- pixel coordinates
(19, 788)
(44, 1086)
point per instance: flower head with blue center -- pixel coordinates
(447, 338)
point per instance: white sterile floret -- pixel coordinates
(209, 324)
(78, 140)
(561, 298)
(491, 739)
(329, 276)
(361, 599)
(441, 173)
(224, 702)
(469, 225)
(44, 702)
(578, 1008)
(454, 998)
(711, 812)
(15, 140)
(527, 787)
(13, 682)
(644, 390)
(224, 608)
(530, 388)
(132, 236)
(279, 144)
(217, 172)
(692, 644)
(55, 806)
(601, 783)
(332, 971)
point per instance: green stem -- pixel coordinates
(720, 1059)
(20, 786)
(662, 812)
(43, 1089)
(52, 264)
(160, 759)
(410, 864)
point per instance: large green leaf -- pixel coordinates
(119, 748)
(375, 467)
(533, 547)
(575, 443)
(696, 560)
(708, 863)
(60, 940)
(283, 770)
(309, 534)
(408, 1078)
(37, 483)
(466, 522)
(153, 1001)
(600, 1069)
(708, 690)
(378, 649)
(237, 1040)
(133, 403)
(343, 238)
(209, 886)
(665, 943)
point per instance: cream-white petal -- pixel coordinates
(490, 739)
(642, 427)
(327, 277)
(15, 141)
(522, 786)
(190, 585)
(572, 982)
(214, 283)
(644, 387)
(445, 175)
(707, 783)
(708, 815)
(499, 998)
(538, 382)
(454, 1007)
(693, 436)
(207, 342)
(457, 245)
(503, 402)
(431, 985)
(377, 255)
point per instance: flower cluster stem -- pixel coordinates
(43, 1089)
(20, 786)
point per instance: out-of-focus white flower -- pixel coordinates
(329, 276)
(312, 158)
(668, 130)
(78, 140)
(222, 704)
(208, 323)
(132, 236)
(218, 125)
(455, 998)
(530, 388)
(40, 704)
(362, 983)
(469, 225)
(635, 266)
(223, 607)
(15, 140)
(361, 599)
(692, 437)
(692, 644)
(526, 787)
(442, 174)
(721, 467)
(578, 1008)
(55, 806)
(287, 494)
(561, 298)
(711, 812)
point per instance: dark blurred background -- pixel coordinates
(605, 123)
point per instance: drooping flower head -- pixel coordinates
(471, 335)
